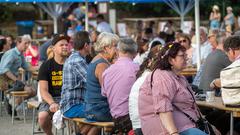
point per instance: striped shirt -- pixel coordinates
(74, 81)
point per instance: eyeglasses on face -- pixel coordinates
(183, 41)
(182, 55)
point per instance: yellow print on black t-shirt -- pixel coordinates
(56, 78)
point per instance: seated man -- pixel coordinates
(215, 62)
(74, 81)
(117, 83)
(50, 81)
(11, 61)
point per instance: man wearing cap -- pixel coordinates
(50, 82)
(11, 61)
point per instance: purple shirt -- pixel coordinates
(167, 88)
(118, 80)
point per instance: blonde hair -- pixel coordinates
(105, 39)
(50, 53)
(229, 8)
(216, 7)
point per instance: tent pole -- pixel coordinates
(182, 21)
(197, 26)
(86, 16)
(55, 23)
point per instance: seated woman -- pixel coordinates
(185, 41)
(145, 70)
(143, 45)
(97, 108)
(166, 94)
(31, 54)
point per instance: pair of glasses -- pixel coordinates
(183, 41)
(182, 55)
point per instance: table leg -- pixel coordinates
(102, 131)
(1, 97)
(13, 106)
(33, 121)
(231, 123)
(24, 110)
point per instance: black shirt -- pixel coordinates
(51, 71)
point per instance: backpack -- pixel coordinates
(230, 84)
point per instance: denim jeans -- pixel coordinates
(98, 112)
(77, 111)
(193, 131)
(138, 131)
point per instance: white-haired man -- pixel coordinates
(11, 61)
(205, 46)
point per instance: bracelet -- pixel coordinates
(174, 133)
(52, 103)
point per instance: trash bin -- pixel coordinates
(25, 27)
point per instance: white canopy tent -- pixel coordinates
(55, 10)
(182, 7)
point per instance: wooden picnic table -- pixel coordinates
(218, 104)
(189, 72)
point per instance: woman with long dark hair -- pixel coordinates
(166, 94)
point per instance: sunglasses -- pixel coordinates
(183, 41)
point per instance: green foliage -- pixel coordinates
(6, 14)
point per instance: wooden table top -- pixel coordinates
(189, 72)
(218, 104)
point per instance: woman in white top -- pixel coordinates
(229, 19)
(215, 18)
(145, 70)
(143, 45)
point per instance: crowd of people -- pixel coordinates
(229, 22)
(134, 82)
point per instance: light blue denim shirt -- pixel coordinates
(11, 61)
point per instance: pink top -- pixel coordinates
(118, 80)
(167, 88)
(34, 60)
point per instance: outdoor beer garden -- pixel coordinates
(120, 67)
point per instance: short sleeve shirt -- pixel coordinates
(52, 72)
(11, 61)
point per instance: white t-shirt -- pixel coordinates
(133, 100)
(104, 27)
(205, 48)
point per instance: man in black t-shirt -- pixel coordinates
(50, 81)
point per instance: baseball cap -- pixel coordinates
(59, 37)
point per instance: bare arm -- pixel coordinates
(211, 16)
(11, 76)
(100, 68)
(46, 96)
(216, 83)
(33, 51)
(168, 122)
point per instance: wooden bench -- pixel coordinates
(106, 127)
(21, 94)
